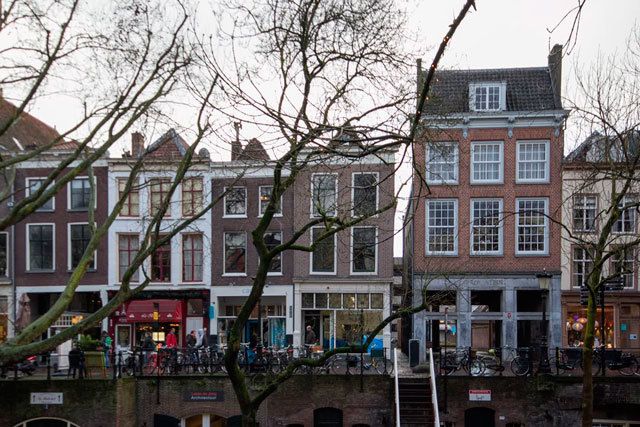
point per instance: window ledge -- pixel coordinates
(321, 273)
(537, 181)
(274, 274)
(233, 216)
(234, 274)
(40, 271)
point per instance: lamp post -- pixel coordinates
(544, 282)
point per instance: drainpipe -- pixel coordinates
(13, 278)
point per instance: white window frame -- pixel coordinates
(582, 261)
(95, 193)
(277, 273)
(95, 253)
(351, 258)
(335, 256)
(546, 178)
(312, 206)
(634, 266)
(353, 191)
(583, 207)
(627, 198)
(6, 235)
(27, 190)
(456, 162)
(500, 179)
(224, 255)
(182, 257)
(135, 277)
(260, 213)
(53, 247)
(224, 205)
(502, 87)
(455, 228)
(546, 226)
(500, 250)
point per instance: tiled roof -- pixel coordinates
(253, 151)
(169, 145)
(27, 132)
(597, 148)
(528, 89)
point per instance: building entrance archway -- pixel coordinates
(480, 417)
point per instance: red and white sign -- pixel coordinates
(480, 395)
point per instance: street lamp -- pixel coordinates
(544, 282)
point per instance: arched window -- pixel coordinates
(327, 417)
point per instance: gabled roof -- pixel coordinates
(169, 145)
(27, 132)
(528, 89)
(253, 151)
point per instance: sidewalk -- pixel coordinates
(405, 371)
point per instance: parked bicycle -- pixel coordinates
(464, 359)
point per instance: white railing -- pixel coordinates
(395, 370)
(434, 391)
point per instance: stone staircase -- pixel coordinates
(416, 409)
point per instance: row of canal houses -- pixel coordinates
(482, 239)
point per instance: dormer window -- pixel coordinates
(487, 96)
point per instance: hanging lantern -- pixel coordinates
(577, 327)
(582, 320)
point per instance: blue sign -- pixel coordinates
(212, 311)
(453, 329)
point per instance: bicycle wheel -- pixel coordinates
(476, 368)
(450, 364)
(558, 366)
(629, 366)
(335, 365)
(520, 367)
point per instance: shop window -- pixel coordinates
(79, 237)
(33, 185)
(307, 300)
(364, 249)
(324, 195)
(41, 246)
(321, 300)
(335, 300)
(235, 202)
(235, 248)
(529, 301)
(195, 307)
(192, 189)
(576, 323)
(161, 263)
(438, 301)
(159, 191)
(265, 196)
(363, 300)
(131, 205)
(365, 194)
(323, 256)
(486, 301)
(377, 301)
(4, 254)
(128, 246)
(349, 301)
(80, 194)
(273, 239)
(192, 258)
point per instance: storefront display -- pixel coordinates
(576, 321)
(271, 314)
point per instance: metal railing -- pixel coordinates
(434, 390)
(397, 387)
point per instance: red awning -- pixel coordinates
(142, 311)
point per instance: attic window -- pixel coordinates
(487, 96)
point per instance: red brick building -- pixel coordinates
(486, 206)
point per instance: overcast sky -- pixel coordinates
(501, 33)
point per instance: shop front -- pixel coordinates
(157, 316)
(270, 322)
(621, 321)
(340, 319)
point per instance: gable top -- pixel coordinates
(527, 89)
(27, 132)
(169, 145)
(253, 151)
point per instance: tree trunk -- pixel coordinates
(587, 363)
(249, 417)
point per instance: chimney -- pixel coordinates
(555, 71)
(137, 144)
(236, 147)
